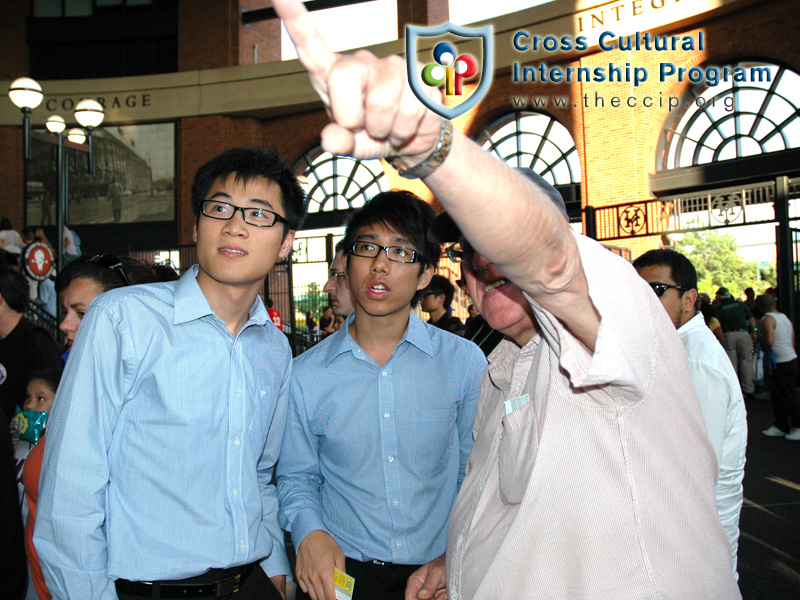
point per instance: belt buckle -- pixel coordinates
(228, 587)
(380, 563)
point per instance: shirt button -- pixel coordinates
(386, 415)
(399, 544)
(238, 390)
(395, 502)
(391, 459)
(241, 546)
(500, 436)
(384, 374)
(480, 488)
(236, 442)
(235, 493)
(460, 540)
(454, 595)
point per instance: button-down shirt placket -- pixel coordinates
(505, 378)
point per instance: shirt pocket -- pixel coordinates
(518, 446)
(433, 433)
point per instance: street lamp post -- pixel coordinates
(27, 94)
(89, 114)
(56, 125)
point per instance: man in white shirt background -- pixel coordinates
(674, 280)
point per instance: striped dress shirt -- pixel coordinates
(592, 475)
(161, 444)
(374, 455)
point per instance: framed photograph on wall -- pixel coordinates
(134, 179)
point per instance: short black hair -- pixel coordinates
(108, 279)
(339, 247)
(50, 377)
(683, 272)
(248, 163)
(441, 285)
(5, 224)
(14, 289)
(403, 211)
(408, 215)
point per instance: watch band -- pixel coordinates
(434, 160)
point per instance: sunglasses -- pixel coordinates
(109, 261)
(660, 288)
(460, 251)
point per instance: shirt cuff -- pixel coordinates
(305, 522)
(277, 563)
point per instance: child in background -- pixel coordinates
(41, 391)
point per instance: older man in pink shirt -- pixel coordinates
(592, 475)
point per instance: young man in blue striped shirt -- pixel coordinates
(380, 419)
(170, 415)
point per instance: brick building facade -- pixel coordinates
(219, 98)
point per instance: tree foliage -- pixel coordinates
(714, 256)
(313, 299)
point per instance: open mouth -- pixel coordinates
(233, 251)
(495, 284)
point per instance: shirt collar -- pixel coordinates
(416, 334)
(695, 322)
(191, 303)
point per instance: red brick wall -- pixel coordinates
(617, 158)
(208, 34)
(11, 174)
(619, 153)
(14, 59)
(267, 34)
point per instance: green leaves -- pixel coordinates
(715, 257)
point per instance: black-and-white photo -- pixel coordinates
(134, 179)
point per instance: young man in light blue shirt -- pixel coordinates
(170, 415)
(380, 419)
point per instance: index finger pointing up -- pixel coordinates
(312, 50)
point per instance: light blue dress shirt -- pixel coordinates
(161, 444)
(375, 455)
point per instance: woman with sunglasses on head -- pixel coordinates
(82, 281)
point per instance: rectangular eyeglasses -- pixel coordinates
(259, 217)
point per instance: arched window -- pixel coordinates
(537, 141)
(758, 114)
(337, 183)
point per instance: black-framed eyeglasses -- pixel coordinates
(259, 217)
(460, 251)
(109, 261)
(399, 254)
(660, 288)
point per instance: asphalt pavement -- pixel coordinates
(769, 544)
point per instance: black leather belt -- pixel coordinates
(229, 582)
(387, 565)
